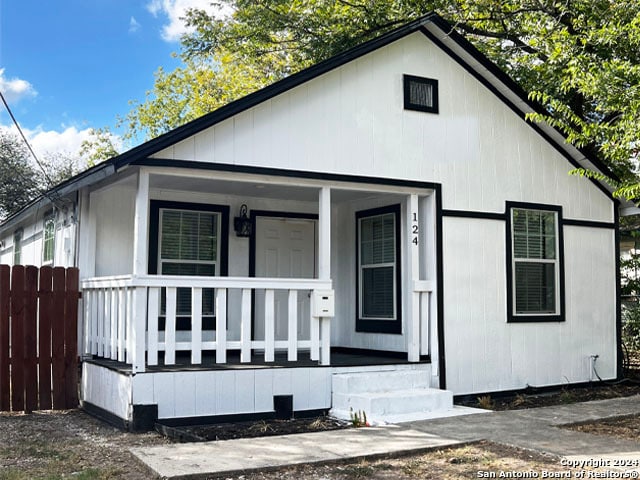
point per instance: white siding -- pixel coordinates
(113, 209)
(484, 353)
(351, 121)
(228, 392)
(106, 389)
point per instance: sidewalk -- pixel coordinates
(534, 429)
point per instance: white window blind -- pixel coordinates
(535, 262)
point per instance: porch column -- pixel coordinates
(324, 234)
(141, 224)
(86, 263)
(413, 275)
(324, 268)
(140, 253)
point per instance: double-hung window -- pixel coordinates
(535, 263)
(378, 264)
(48, 238)
(188, 239)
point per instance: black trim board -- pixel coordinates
(440, 293)
(144, 417)
(504, 216)
(364, 325)
(620, 353)
(511, 317)
(154, 223)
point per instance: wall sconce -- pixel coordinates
(242, 224)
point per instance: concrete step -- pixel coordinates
(379, 381)
(388, 396)
(378, 404)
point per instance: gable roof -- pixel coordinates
(431, 25)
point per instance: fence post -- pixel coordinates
(17, 337)
(5, 398)
(30, 339)
(44, 336)
(57, 338)
(71, 338)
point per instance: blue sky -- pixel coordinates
(68, 66)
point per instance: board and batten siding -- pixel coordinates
(351, 121)
(484, 352)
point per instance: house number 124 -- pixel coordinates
(415, 229)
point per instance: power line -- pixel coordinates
(52, 198)
(33, 154)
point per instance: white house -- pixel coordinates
(412, 237)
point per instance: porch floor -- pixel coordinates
(339, 358)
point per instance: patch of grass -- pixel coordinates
(566, 396)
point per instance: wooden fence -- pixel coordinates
(38, 338)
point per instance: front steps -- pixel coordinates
(389, 396)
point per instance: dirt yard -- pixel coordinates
(71, 444)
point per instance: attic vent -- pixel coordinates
(420, 94)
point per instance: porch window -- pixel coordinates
(48, 238)
(535, 264)
(189, 246)
(378, 256)
(188, 239)
(17, 247)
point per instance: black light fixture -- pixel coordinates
(242, 224)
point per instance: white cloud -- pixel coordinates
(66, 141)
(15, 89)
(134, 26)
(175, 11)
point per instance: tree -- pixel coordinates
(579, 58)
(18, 179)
(100, 146)
(188, 92)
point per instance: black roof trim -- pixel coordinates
(193, 127)
(266, 93)
(281, 172)
(509, 82)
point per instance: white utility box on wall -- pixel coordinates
(323, 303)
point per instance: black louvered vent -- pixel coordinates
(420, 94)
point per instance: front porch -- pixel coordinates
(245, 327)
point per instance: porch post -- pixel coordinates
(413, 275)
(140, 252)
(324, 267)
(141, 224)
(86, 248)
(324, 234)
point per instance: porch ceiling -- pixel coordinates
(252, 188)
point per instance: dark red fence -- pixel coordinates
(38, 338)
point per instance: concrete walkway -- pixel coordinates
(533, 429)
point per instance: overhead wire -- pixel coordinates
(42, 191)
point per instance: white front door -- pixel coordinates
(285, 248)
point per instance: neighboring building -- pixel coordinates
(407, 231)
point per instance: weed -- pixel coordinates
(486, 402)
(261, 427)
(359, 418)
(566, 396)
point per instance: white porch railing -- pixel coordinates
(121, 316)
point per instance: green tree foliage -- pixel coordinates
(579, 58)
(100, 146)
(18, 179)
(200, 86)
